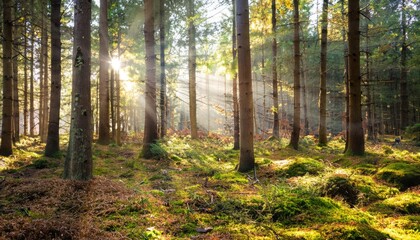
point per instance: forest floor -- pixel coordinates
(194, 192)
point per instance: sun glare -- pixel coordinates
(116, 63)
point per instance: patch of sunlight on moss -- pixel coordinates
(299, 233)
(408, 203)
(231, 177)
(401, 234)
(372, 191)
(404, 175)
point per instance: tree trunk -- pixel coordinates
(53, 139)
(31, 83)
(45, 95)
(235, 83)
(25, 79)
(246, 158)
(304, 98)
(294, 139)
(369, 83)
(403, 82)
(323, 82)
(15, 52)
(6, 131)
(118, 93)
(150, 121)
(103, 137)
(112, 103)
(276, 129)
(346, 78)
(163, 98)
(192, 66)
(356, 137)
(78, 163)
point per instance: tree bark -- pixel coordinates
(150, 121)
(246, 157)
(356, 136)
(31, 83)
(404, 71)
(15, 52)
(112, 102)
(276, 129)
(53, 139)
(78, 163)
(163, 98)
(104, 60)
(6, 131)
(235, 83)
(323, 80)
(294, 139)
(25, 79)
(192, 66)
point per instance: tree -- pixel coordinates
(294, 140)
(15, 54)
(236, 129)
(192, 66)
(6, 131)
(103, 74)
(150, 121)
(356, 144)
(246, 157)
(31, 83)
(323, 81)
(162, 69)
(276, 130)
(78, 163)
(53, 139)
(404, 71)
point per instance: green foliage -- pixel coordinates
(407, 203)
(404, 175)
(43, 163)
(157, 151)
(355, 232)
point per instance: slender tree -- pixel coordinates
(404, 71)
(192, 66)
(103, 74)
(323, 82)
(246, 158)
(25, 78)
(276, 129)
(78, 164)
(356, 145)
(31, 80)
(294, 140)
(163, 98)
(6, 131)
(53, 138)
(150, 121)
(235, 84)
(15, 52)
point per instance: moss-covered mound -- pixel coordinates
(407, 203)
(352, 232)
(304, 166)
(404, 175)
(342, 187)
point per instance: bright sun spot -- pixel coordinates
(116, 63)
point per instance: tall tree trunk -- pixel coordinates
(246, 157)
(323, 82)
(104, 60)
(304, 98)
(192, 66)
(16, 54)
(53, 139)
(112, 102)
(276, 129)
(78, 164)
(45, 94)
(163, 98)
(235, 83)
(6, 131)
(356, 137)
(369, 84)
(403, 82)
(150, 121)
(25, 79)
(346, 77)
(294, 139)
(118, 93)
(31, 83)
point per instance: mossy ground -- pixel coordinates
(193, 186)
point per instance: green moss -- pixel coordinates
(232, 177)
(352, 232)
(408, 203)
(366, 168)
(404, 175)
(342, 187)
(304, 166)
